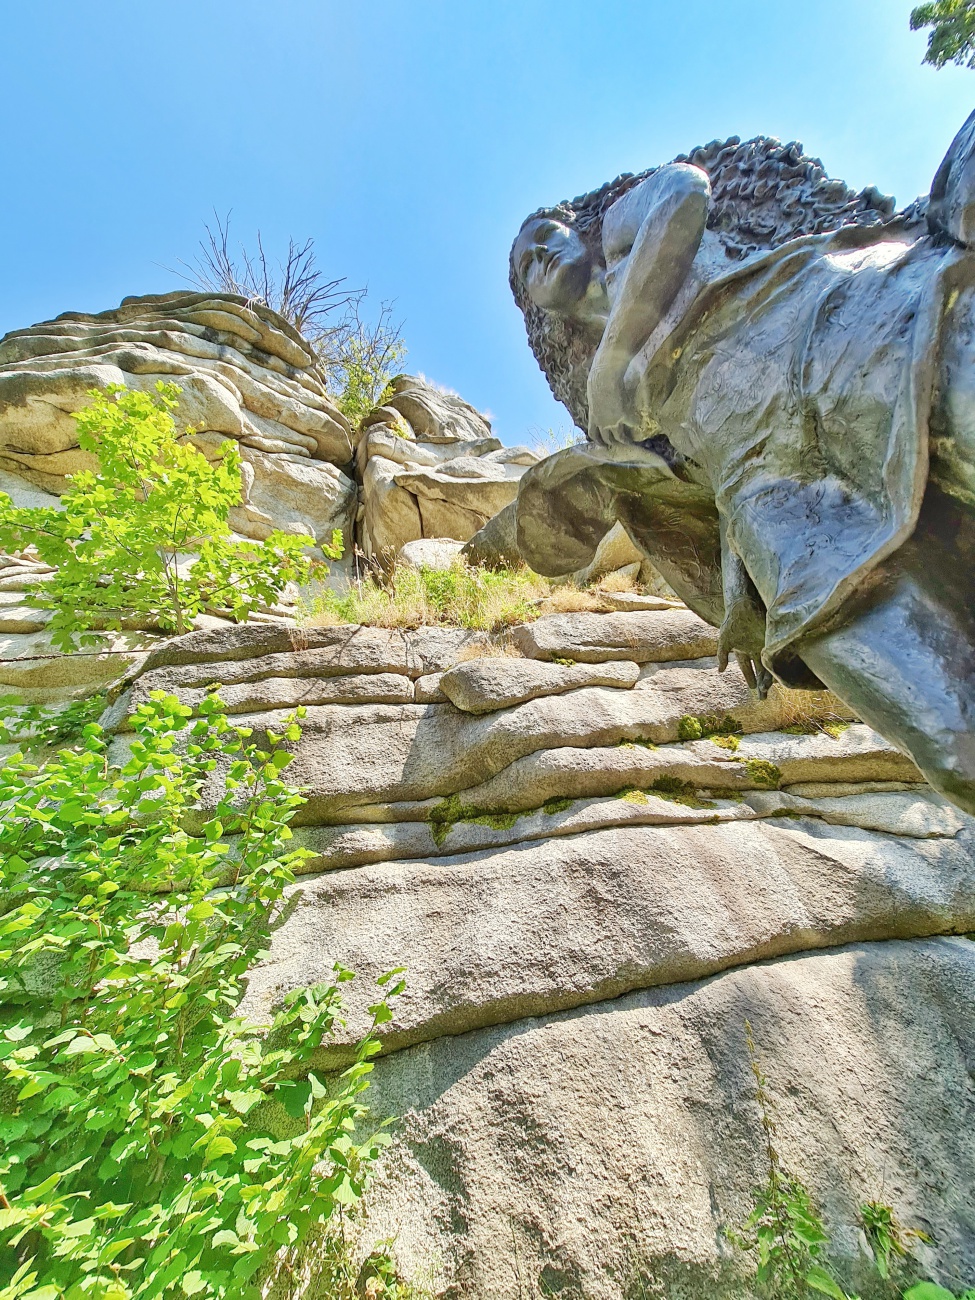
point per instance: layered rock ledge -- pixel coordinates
(597, 857)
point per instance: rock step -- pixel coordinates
(456, 829)
(642, 636)
(487, 685)
(493, 936)
(827, 763)
(354, 755)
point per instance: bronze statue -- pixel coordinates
(776, 376)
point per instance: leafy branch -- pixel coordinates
(952, 35)
(138, 1154)
(122, 542)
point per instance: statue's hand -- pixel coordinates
(607, 417)
(743, 634)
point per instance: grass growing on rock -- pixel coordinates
(464, 595)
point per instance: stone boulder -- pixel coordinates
(431, 468)
(436, 553)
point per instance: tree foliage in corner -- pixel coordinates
(122, 540)
(952, 35)
(137, 1153)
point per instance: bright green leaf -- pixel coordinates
(821, 1281)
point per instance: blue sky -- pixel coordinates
(410, 138)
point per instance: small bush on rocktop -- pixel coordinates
(137, 1163)
(122, 542)
(358, 356)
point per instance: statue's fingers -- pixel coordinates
(722, 658)
(747, 669)
(765, 680)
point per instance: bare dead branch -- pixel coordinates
(357, 357)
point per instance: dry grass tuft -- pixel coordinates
(461, 596)
(573, 600)
(620, 582)
(808, 712)
(502, 649)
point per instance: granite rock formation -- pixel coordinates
(425, 465)
(431, 468)
(244, 374)
(595, 871)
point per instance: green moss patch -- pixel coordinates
(450, 811)
(763, 773)
(671, 789)
(707, 726)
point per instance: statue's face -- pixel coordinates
(553, 264)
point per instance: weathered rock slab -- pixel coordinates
(645, 637)
(493, 936)
(37, 673)
(243, 371)
(605, 1150)
(488, 684)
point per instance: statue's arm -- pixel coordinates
(675, 201)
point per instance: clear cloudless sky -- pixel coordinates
(411, 137)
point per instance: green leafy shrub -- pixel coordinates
(118, 542)
(783, 1230)
(889, 1241)
(46, 724)
(138, 1153)
(366, 375)
(931, 1291)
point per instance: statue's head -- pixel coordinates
(764, 194)
(553, 266)
(557, 271)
